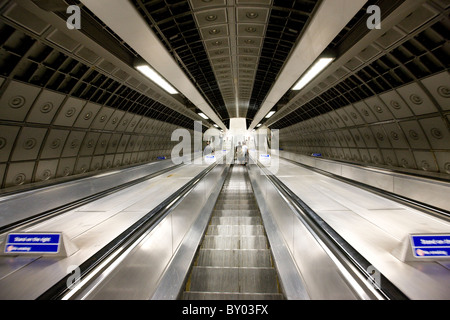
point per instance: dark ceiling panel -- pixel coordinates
(174, 24)
(420, 54)
(286, 23)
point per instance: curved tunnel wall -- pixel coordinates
(403, 120)
(401, 128)
(66, 111)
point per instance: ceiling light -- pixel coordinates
(203, 116)
(215, 125)
(156, 78)
(317, 68)
(271, 113)
(259, 125)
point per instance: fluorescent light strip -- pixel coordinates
(203, 116)
(259, 125)
(215, 125)
(317, 68)
(156, 78)
(271, 113)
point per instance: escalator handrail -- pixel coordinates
(127, 237)
(80, 202)
(385, 287)
(415, 204)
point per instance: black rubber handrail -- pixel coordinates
(427, 208)
(385, 287)
(80, 202)
(127, 237)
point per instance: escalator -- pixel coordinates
(234, 260)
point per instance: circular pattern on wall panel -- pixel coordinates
(425, 165)
(46, 107)
(70, 112)
(405, 163)
(380, 136)
(444, 91)
(16, 102)
(66, 171)
(447, 167)
(19, 179)
(396, 105)
(378, 109)
(436, 133)
(74, 144)
(90, 143)
(414, 135)
(29, 143)
(46, 174)
(394, 135)
(416, 99)
(88, 115)
(55, 144)
(2, 142)
(389, 161)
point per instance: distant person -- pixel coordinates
(239, 153)
(245, 152)
(208, 149)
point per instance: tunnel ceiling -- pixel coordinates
(386, 104)
(233, 53)
(416, 48)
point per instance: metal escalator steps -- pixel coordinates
(236, 220)
(192, 295)
(234, 260)
(243, 200)
(235, 230)
(237, 206)
(236, 213)
(234, 242)
(243, 280)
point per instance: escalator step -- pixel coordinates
(234, 258)
(192, 295)
(242, 280)
(233, 220)
(236, 213)
(235, 242)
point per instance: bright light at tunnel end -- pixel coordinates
(156, 78)
(317, 68)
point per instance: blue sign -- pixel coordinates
(426, 246)
(33, 243)
(317, 155)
